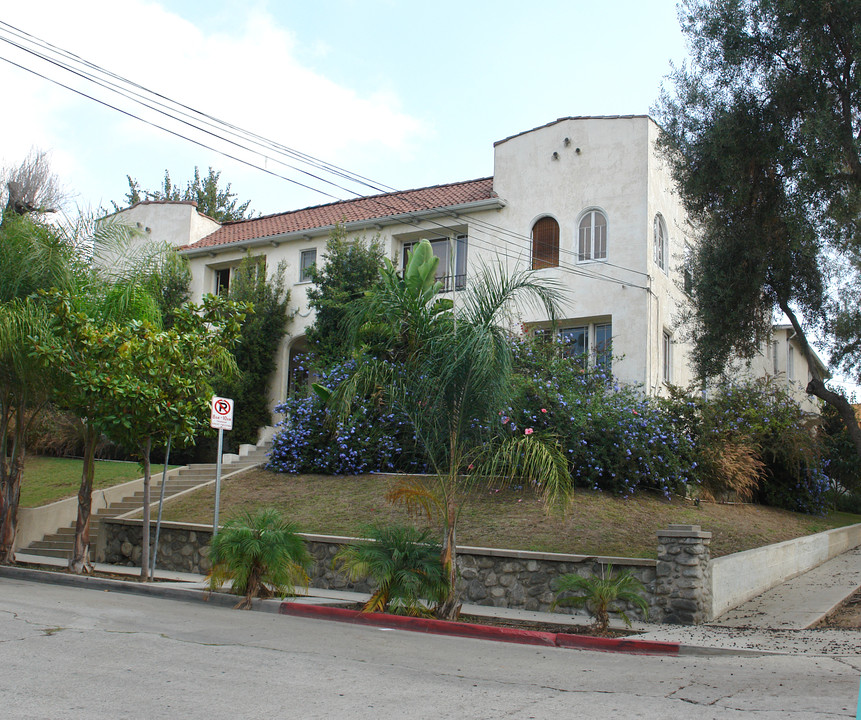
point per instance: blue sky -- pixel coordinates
(405, 93)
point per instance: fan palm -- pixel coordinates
(34, 257)
(261, 554)
(404, 564)
(449, 372)
(601, 595)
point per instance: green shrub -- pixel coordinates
(261, 554)
(601, 595)
(405, 565)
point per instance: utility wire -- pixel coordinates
(259, 140)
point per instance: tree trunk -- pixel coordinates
(817, 385)
(10, 489)
(450, 608)
(145, 529)
(80, 560)
(10, 493)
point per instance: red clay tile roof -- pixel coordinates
(366, 208)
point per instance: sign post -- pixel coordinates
(221, 418)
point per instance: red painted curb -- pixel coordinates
(427, 625)
(627, 645)
(480, 632)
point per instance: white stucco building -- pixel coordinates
(586, 201)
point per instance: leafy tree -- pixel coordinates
(140, 384)
(34, 257)
(219, 204)
(404, 564)
(262, 554)
(762, 135)
(448, 374)
(600, 595)
(257, 348)
(351, 268)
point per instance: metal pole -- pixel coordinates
(218, 481)
(160, 507)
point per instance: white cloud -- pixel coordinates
(250, 76)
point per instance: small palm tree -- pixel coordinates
(262, 554)
(599, 595)
(404, 563)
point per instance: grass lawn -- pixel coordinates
(47, 479)
(595, 524)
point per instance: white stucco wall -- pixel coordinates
(744, 575)
(607, 164)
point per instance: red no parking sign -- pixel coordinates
(221, 413)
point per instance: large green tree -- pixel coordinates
(139, 384)
(350, 269)
(220, 204)
(449, 374)
(256, 351)
(762, 130)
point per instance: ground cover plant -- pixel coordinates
(50, 478)
(596, 523)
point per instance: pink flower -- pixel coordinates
(529, 431)
(471, 467)
(544, 410)
(505, 421)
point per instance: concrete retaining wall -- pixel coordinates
(742, 576)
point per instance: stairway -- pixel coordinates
(61, 543)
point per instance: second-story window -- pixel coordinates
(660, 249)
(307, 261)
(451, 275)
(592, 237)
(545, 243)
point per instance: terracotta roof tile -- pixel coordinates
(366, 208)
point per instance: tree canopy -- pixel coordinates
(351, 268)
(761, 131)
(218, 203)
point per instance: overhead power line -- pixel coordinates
(240, 139)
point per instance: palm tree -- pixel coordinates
(34, 257)
(262, 554)
(449, 373)
(404, 564)
(600, 595)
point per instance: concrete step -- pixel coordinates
(45, 552)
(61, 543)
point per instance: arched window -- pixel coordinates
(545, 243)
(661, 250)
(593, 237)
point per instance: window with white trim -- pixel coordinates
(222, 281)
(446, 273)
(589, 344)
(307, 260)
(592, 237)
(667, 357)
(660, 242)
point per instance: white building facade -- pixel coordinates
(584, 201)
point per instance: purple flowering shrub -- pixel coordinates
(370, 439)
(616, 439)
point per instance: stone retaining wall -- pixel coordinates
(501, 578)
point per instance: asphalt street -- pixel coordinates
(80, 653)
